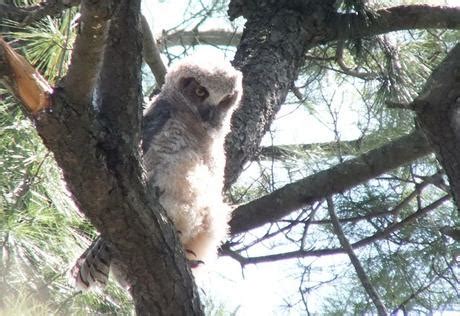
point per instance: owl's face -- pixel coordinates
(209, 103)
(211, 87)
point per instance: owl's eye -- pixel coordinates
(201, 91)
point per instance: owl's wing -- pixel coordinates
(92, 268)
(154, 120)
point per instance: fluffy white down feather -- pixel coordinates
(186, 159)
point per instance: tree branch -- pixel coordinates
(119, 86)
(349, 26)
(30, 14)
(332, 251)
(360, 272)
(272, 50)
(87, 51)
(270, 54)
(190, 38)
(151, 53)
(337, 179)
(347, 70)
(298, 151)
(393, 212)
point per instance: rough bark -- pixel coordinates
(438, 111)
(270, 53)
(97, 148)
(272, 48)
(114, 199)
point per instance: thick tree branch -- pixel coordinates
(272, 50)
(27, 15)
(337, 179)
(344, 26)
(270, 54)
(360, 272)
(87, 51)
(349, 26)
(438, 111)
(119, 86)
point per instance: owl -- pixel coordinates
(183, 138)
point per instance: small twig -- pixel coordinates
(347, 70)
(297, 92)
(414, 295)
(397, 105)
(362, 275)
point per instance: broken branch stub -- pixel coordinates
(23, 80)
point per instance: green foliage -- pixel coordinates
(47, 43)
(41, 232)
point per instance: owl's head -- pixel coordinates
(211, 86)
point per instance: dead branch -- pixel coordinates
(23, 80)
